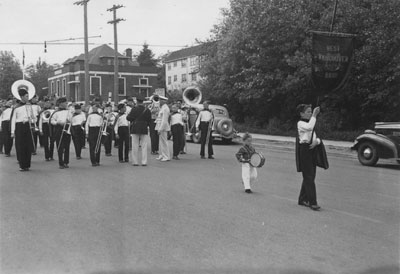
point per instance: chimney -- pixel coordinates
(128, 53)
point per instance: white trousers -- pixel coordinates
(139, 143)
(163, 145)
(249, 175)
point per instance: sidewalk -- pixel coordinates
(286, 139)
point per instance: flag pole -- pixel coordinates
(23, 63)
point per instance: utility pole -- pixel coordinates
(115, 21)
(87, 82)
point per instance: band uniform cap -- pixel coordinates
(121, 106)
(163, 98)
(22, 91)
(77, 106)
(61, 100)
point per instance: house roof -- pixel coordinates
(186, 52)
(96, 54)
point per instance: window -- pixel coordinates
(95, 85)
(144, 81)
(169, 66)
(58, 88)
(52, 88)
(193, 61)
(184, 78)
(122, 86)
(64, 87)
(194, 77)
(175, 64)
(175, 78)
(123, 62)
(109, 62)
(183, 63)
(169, 80)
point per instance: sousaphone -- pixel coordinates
(23, 84)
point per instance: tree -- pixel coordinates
(10, 71)
(146, 57)
(261, 64)
(38, 74)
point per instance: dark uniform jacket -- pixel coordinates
(245, 153)
(140, 117)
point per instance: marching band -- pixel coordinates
(24, 120)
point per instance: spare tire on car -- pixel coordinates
(225, 127)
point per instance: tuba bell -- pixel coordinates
(22, 84)
(192, 96)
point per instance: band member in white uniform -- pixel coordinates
(204, 123)
(5, 127)
(36, 109)
(93, 126)
(22, 122)
(77, 130)
(61, 120)
(121, 130)
(44, 129)
(154, 109)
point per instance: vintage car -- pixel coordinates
(382, 142)
(223, 125)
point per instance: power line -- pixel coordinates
(95, 44)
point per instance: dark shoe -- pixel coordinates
(21, 169)
(153, 153)
(203, 157)
(315, 207)
(121, 161)
(248, 191)
(144, 165)
(26, 169)
(304, 203)
(47, 160)
(126, 160)
(108, 154)
(211, 157)
(7, 155)
(175, 158)
(79, 157)
(135, 165)
(66, 165)
(61, 167)
(182, 152)
(94, 164)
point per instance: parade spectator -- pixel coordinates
(163, 127)
(177, 131)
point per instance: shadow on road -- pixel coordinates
(389, 166)
(390, 269)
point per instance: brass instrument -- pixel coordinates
(30, 88)
(66, 129)
(102, 131)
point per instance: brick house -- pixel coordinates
(69, 80)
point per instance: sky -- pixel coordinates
(159, 23)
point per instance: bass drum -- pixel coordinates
(225, 127)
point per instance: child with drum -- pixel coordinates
(249, 173)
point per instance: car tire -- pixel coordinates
(368, 154)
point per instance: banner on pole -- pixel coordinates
(332, 55)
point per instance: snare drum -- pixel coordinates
(257, 159)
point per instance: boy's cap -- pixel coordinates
(246, 136)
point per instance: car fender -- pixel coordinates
(387, 149)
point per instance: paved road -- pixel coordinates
(192, 216)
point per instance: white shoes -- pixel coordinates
(164, 160)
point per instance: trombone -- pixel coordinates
(66, 129)
(103, 130)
